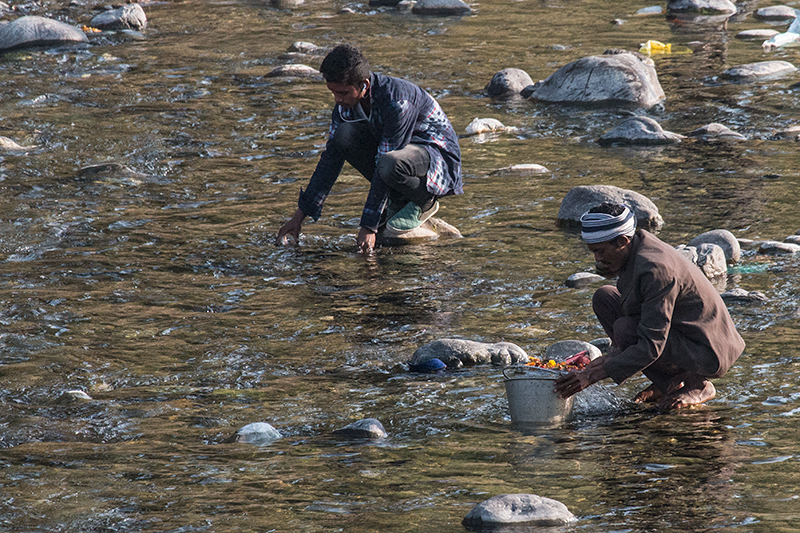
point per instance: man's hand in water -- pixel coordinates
(291, 229)
(365, 240)
(569, 384)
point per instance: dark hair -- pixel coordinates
(608, 208)
(345, 64)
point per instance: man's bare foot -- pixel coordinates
(648, 395)
(690, 394)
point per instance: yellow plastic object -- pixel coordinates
(655, 47)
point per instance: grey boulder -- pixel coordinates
(518, 509)
(616, 78)
(562, 350)
(508, 82)
(584, 197)
(258, 433)
(775, 13)
(127, 17)
(742, 296)
(708, 257)
(639, 131)
(440, 7)
(778, 248)
(457, 353)
(722, 238)
(30, 31)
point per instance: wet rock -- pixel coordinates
(775, 13)
(286, 4)
(778, 248)
(302, 47)
(431, 230)
(258, 433)
(384, 3)
(716, 132)
(619, 22)
(367, 428)
(524, 169)
(702, 6)
(487, 125)
(456, 353)
(711, 260)
(74, 396)
(603, 344)
(440, 7)
(639, 131)
(583, 279)
(30, 31)
(749, 244)
(9, 145)
(756, 35)
(743, 296)
(689, 252)
(722, 238)
(584, 197)
(616, 78)
(293, 71)
(792, 239)
(127, 17)
(518, 509)
(760, 70)
(508, 82)
(562, 350)
(111, 171)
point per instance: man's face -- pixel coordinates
(611, 256)
(347, 96)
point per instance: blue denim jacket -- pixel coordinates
(401, 114)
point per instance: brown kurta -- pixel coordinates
(681, 316)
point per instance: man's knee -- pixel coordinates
(390, 168)
(606, 300)
(625, 332)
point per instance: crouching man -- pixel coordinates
(664, 317)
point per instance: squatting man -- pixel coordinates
(396, 135)
(664, 316)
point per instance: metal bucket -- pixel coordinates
(531, 398)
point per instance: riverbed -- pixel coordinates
(160, 294)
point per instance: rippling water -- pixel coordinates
(160, 294)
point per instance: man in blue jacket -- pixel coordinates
(393, 133)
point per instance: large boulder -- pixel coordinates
(584, 197)
(639, 131)
(616, 78)
(457, 353)
(722, 238)
(127, 17)
(33, 31)
(508, 82)
(518, 509)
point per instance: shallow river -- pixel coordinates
(160, 293)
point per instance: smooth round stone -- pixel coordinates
(508, 82)
(722, 238)
(440, 7)
(293, 71)
(756, 35)
(743, 296)
(583, 279)
(127, 17)
(367, 428)
(641, 131)
(716, 132)
(778, 248)
(775, 13)
(762, 69)
(518, 509)
(258, 433)
(31, 31)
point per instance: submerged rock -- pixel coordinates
(440, 7)
(430, 230)
(456, 353)
(258, 433)
(293, 71)
(31, 31)
(760, 70)
(722, 238)
(508, 82)
(584, 197)
(778, 248)
(641, 131)
(518, 509)
(74, 396)
(127, 17)
(616, 78)
(716, 132)
(111, 171)
(367, 428)
(756, 35)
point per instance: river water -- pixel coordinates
(160, 293)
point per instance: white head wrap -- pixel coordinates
(602, 227)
